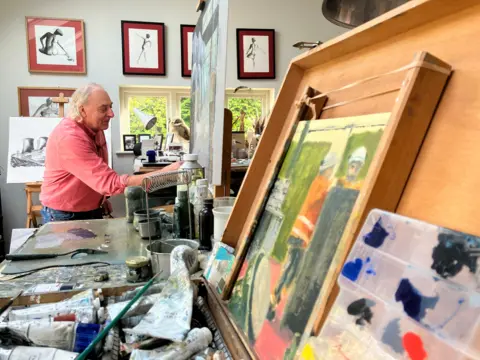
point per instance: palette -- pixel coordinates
(113, 235)
(408, 289)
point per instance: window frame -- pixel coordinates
(174, 94)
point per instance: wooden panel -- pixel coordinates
(224, 189)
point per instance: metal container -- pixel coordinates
(142, 215)
(160, 254)
(152, 228)
(138, 269)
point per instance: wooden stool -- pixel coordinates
(33, 211)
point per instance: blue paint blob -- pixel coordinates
(368, 260)
(447, 320)
(351, 270)
(371, 272)
(414, 303)
(461, 301)
(377, 236)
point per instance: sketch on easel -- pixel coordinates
(27, 143)
(299, 230)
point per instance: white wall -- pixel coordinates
(293, 21)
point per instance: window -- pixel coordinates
(166, 103)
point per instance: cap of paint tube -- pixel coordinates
(84, 335)
(96, 303)
(68, 317)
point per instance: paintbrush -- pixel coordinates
(114, 322)
(10, 302)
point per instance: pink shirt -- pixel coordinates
(77, 175)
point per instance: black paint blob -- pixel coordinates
(361, 309)
(414, 303)
(453, 252)
(377, 236)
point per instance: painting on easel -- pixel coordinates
(299, 230)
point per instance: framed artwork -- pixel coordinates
(56, 45)
(169, 139)
(129, 141)
(143, 48)
(37, 101)
(186, 40)
(142, 137)
(256, 53)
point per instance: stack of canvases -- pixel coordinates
(408, 290)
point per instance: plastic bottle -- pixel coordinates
(181, 213)
(206, 225)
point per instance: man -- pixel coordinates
(77, 178)
(303, 227)
(355, 164)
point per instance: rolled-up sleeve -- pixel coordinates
(79, 157)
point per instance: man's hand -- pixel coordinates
(107, 208)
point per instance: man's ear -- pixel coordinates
(81, 110)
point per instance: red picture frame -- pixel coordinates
(143, 48)
(55, 45)
(256, 53)
(186, 32)
(29, 98)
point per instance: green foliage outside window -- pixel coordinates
(185, 110)
(152, 106)
(252, 108)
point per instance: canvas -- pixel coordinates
(298, 232)
(209, 59)
(27, 143)
(408, 288)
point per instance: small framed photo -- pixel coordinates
(129, 142)
(168, 140)
(37, 101)
(143, 48)
(186, 39)
(56, 45)
(142, 137)
(256, 53)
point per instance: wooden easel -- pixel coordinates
(34, 211)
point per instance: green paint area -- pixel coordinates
(370, 141)
(301, 166)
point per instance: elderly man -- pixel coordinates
(77, 178)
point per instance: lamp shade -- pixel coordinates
(148, 121)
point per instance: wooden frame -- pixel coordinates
(242, 71)
(25, 91)
(185, 30)
(160, 68)
(62, 66)
(410, 93)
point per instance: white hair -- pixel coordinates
(80, 97)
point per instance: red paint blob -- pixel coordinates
(413, 344)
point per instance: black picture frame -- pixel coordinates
(126, 139)
(242, 74)
(146, 136)
(184, 30)
(161, 70)
(169, 139)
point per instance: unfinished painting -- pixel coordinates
(299, 230)
(27, 142)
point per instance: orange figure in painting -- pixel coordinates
(302, 230)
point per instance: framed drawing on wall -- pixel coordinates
(129, 141)
(55, 45)
(143, 48)
(37, 101)
(186, 38)
(256, 53)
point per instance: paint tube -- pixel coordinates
(37, 353)
(48, 311)
(59, 335)
(140, 307)
(170, 317)
(196, 340)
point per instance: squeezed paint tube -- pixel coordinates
(59, 335)
(37, 353)
(140, 307)
(196, 340)
(82, 314)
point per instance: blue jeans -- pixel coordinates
(59, 215)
